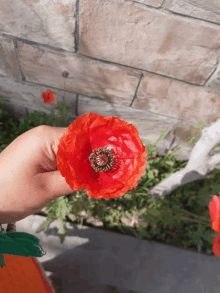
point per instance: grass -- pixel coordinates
(180, 219)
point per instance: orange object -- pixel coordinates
(24, 275)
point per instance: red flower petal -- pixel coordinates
(48, 97)
(91, 132)
(216, 246)
(214, 211)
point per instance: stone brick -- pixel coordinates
(22, 94)
(89, 77)
(8, 59)
(203, 9)
(135, 35)
(148, 124)
(47, 22)
(177, 99)
(153, 3)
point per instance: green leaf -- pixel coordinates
(22, 120)
(150, 174)
(62, 229)
(153, 212)
(20, 243)
(217, 148)
(143, 232)
(71, 216)
(41, 120)
(202, 201)
(215, 188)
(200, 123)
(161, 136)
(45, 224)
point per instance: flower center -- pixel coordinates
(102, 159)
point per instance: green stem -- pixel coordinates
(195, 216)
(63, 113)
(195, 221)
(64, 90)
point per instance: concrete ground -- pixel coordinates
(95, 261)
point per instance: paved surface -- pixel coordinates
(91, 260)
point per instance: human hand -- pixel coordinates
(29, 178)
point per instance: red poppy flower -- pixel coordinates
(48, 97)
(102, 154)
(214, 211)
(216, 246)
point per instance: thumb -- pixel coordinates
(54, 185)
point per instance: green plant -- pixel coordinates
(185, 210)
(193, 140)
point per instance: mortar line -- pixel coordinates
(203, 21)
(76, 33)
(77, 105)
(140, 70)
(178, 15)
(190, 17)
(163, 4)
(18, 60)
(147, 5)
(135, 94)
(205, 83)
(33, 43)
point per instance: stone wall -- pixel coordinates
(153, 63)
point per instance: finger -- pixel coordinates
(53, 185)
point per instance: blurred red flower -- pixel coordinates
(173, 232)
(48, 97)
(102, 154)
(214, 211)
(216, 245)
(154, 157)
